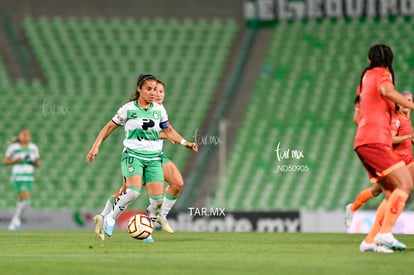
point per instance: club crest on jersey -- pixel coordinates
(155, 115)
(131, 169)
(397, 123)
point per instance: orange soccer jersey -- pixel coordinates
(374, 125)
(402, 126)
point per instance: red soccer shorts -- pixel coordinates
(378, 159)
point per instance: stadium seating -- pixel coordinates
(303, 99)
(90, 66)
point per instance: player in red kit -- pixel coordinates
(373, 145)
(402, 134)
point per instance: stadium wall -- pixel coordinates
(281, 10)
(218, 220)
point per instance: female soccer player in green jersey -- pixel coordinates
(24, 156)
(171, 175)
(143, 120)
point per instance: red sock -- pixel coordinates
(361, 199)
(395, 206)
(379, 217)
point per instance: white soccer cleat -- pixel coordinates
(98, 221)
(15, 224)
(383, 249)
(367, 247)
(164, 224)
(349, 215)
(149, 239)
(108, 226)
(388, 240)
(374, 247)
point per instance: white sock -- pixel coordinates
(107, 209)
(123, 201)
(20, 206)
(167, 203)
(154, 206)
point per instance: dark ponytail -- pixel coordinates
(356, 100)
(380, 55)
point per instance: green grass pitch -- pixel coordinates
(58, 252)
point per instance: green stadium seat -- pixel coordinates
(311, 69)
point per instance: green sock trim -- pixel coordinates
(111, 200)
(158, 197)
(170, 197)
(138, 189)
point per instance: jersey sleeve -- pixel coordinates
(164, 117)
(10, 151)
(120, 116)
(36, 153)
(385, 77)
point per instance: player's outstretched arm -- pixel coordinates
(103, 134)
(388, 90)
(162, 135)
(36, 162)
(9, 161)
(398, 139)
(175, 137)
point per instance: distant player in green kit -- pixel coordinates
(143, 120)
(24, 156)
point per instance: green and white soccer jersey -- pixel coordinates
(23, 171)
(141, 129)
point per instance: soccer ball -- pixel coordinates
(140, 226)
